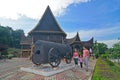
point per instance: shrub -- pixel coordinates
(10, 56)
(104, 56)
(15, 52)
(96, 55)
(110, 62)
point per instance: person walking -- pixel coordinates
(85, 57)
(81, 60)
(75, 57)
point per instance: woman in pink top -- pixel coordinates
(75, 57)
(85, 57)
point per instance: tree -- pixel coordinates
(17, 37)
(102, 48)
(116, 51)
(10, 37)
(99, 48)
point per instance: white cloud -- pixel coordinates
(33, 8)
(110, 43)
(97, 33)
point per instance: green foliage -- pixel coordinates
(10, 37)
(106, 70)
(104, 56)
(116, 46)
(4, 53)
(10, 56)
(17, 37)
(99, 48)
(115, 51)
(80, 53)
(115, 55)
(96, 55)
(4, 34)
(109, 62)
(13, 52)
(102, 48)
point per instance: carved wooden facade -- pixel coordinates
(75, 42)
(25, 46)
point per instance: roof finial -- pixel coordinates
(77, 33)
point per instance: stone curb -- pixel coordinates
(91, 75)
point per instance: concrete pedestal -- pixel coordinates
(47, 70)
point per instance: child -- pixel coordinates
(81, 61)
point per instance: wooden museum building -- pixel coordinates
(49, 30)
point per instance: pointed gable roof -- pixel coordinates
(48, 24)
(77, 38)
(74, 39)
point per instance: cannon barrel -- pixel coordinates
(50, 52)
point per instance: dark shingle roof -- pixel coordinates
(26, 40)
(74, 39)
(88, 43)
(47, 24)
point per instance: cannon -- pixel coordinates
(51, 52)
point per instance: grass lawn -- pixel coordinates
(106, 70)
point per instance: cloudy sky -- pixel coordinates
(91, 18)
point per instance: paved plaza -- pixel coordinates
(10, 70)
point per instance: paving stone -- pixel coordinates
(38, 77)
(28, 76)
(75, 73)
(17, 76)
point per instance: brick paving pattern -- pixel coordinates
(75, 73)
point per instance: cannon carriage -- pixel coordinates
(51, 52)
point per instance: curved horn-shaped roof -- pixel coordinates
(74, 39)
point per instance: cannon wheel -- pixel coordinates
(53, 57)
(68, 58)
